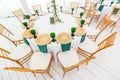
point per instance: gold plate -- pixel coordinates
(27, 34)
(43, 39)
(80, 31)
(63, 38)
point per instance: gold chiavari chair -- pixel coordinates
(88, 5)
(19, 55)
(68, 57)
(20, 16)
(39, 8)
(51, 8)
(89, 15)
(93, 33)
(74, 5)
(15, 39)
(88, 49)
(49, 5)
(92, 8)
(39, 63)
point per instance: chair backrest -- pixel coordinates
(109, 41)
(91, 9)
(4, 52)
(106, 21)
(19, 15)
(85, 7)
(5, 32)
(49, 5)
(91, 13)
(88, 4)
(37, 7)
(75, 5)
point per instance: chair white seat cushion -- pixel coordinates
(88, 45)
(68, 58)
(20, 51)
(91, 31)
(115, 18)
(16, 37)
(40, 61)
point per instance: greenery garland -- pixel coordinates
(55, 12)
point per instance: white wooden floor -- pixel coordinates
(106, 66)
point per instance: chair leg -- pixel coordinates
(78, 68)
(19, 64)
(14, 43)
(93, 57)
(113, 25)
(34, 74)
(49, 75)
(63, 73)
(87, 63)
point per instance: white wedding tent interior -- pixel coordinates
(59, 39)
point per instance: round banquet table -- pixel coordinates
(43, 26)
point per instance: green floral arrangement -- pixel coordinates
(52, 34)
(102, 1)
(82, 22)
(27, 16)
(55, 11)
(73, 29)
(26, 25)
(111, 3)
(81, 14)
(72, 9)
(33, 32)
(36, 11)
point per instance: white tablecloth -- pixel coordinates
(54, 47)
(43, 26)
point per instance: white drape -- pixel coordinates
(7, 6)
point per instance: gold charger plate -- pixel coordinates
(27, 34)
(43, 39)
(63, 38)
(80, 31)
